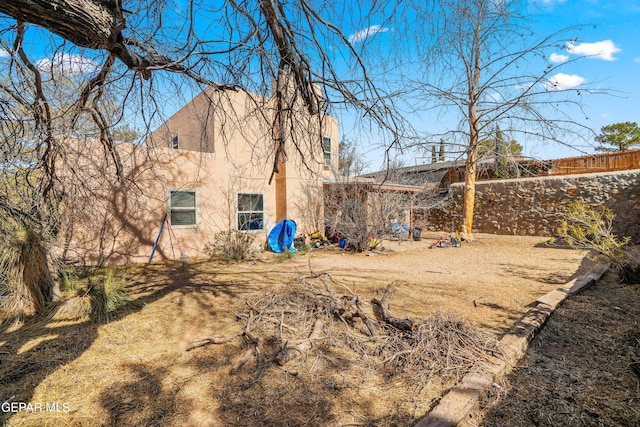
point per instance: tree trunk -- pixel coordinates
(382, 313)
(472, 150)
(289, 353)
(469, 194)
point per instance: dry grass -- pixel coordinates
(135, 370)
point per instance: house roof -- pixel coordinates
(371, 184)
(430, 167)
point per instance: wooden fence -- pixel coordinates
(605, 162)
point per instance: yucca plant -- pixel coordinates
(108, 294)
(24, 268)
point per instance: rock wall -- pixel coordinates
(533, 206)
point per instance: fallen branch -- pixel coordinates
(393, 356)
(240, 363)
(276, 331)
(289, 353)
(371, 325)
(382, 313)
(201, 342)
(279, 322)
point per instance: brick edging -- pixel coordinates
(462, 399)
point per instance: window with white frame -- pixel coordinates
(250, 211)
(182, 208)
(326, 149)
(175, 142)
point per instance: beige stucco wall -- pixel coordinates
(226, 148)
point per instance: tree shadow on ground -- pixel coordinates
(537, 273)
(329, 395)
(142, 399)
(319, 389)
(541, 274)
(510, 315)
(42, 345)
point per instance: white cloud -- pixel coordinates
(557, 58)
(563, 81)
(3, 53)
(68, 64)
(602, 50)
(494, 96)
(637, 59)
(361, 35)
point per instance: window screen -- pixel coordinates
(183, 208)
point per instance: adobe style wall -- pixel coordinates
(235, 130)
(533, 206)
(226, 147)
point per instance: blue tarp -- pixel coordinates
(282, 235)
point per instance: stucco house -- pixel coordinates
(208, 168)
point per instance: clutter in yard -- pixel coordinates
(446, 242)
(282, 235)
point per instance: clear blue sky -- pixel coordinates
(609, 43)
(612, 43)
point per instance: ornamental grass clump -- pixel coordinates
(26, 280)
(108, 293)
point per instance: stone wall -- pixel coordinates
(533, 206)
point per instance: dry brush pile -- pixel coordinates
(316, 321)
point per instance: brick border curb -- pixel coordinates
(461, 400)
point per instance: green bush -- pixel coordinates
(591, 227)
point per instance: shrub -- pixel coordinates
(25, 273)
(108, 294)
(585, 226)
(286, 255)
(230, 245)
(69, 280)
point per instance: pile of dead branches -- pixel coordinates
(317, 314)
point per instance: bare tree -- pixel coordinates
(233, 46)
(366, 209)
(126, 60)
(145, 54)
(485, 65)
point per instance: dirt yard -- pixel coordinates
(136, 370)
(488, 282)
